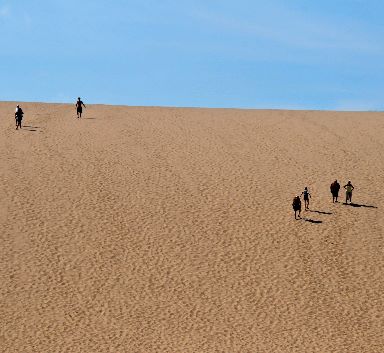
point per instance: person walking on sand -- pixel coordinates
(348, 194)
(296, 205)
(335, 187)
(79, 107)
(18, 116)
(307, 195)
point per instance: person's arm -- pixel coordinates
(84, 105)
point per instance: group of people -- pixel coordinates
(335, 188)
(19, 112)
(296, 204)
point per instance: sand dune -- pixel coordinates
(171, 230)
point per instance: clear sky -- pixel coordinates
(292, 54)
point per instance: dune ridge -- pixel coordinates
(171, 230)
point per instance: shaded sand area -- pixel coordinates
(171, 230)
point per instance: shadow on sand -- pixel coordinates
(31, 128)
(358, 205)
(26, 129)
(320, 212)
(311, 220)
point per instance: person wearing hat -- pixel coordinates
(18, 116)
(79, 107)
(348, 194)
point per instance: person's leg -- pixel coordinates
(295, 214)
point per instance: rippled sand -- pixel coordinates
(171, 230)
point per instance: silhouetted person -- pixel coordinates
(79, 107)
(307, 195)
(335, 187)
(348, 194)
(296, 205)
(18, 116)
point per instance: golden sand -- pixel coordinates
(171, 230)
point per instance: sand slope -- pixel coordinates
(171, 230)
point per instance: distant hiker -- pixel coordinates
(79, 107)
(296, 205)
(307, 195)
(348, 194)
(335, 187)
(18, 116)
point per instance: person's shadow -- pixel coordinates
(31, 128)
(358, 205)
(311, 220)
(320, 212)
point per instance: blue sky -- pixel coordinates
(246, 54)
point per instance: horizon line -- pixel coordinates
(202, 107)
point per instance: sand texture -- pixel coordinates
(171, 230)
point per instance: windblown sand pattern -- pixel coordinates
(171, 230)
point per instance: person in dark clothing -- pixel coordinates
(306, 195)
(79, 107)
(18, 116)
(296, 205)
(335, 187)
